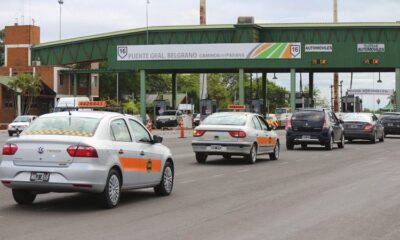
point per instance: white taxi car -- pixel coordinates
(20, 123)
(96, 152)
(235, 134)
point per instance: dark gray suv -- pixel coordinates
(314, 127)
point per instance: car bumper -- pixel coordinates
(77, 177)
(389, 130)
(358, 134)
(235, 148)
(317, 138)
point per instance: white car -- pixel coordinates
(20, 123)
(95, 152)
(235, 134)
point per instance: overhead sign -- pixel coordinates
(237, 107)
(92, 104)
(370, 47)
(370, 91)
(209, 51)
(318, 48)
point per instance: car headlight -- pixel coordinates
(10, 127)
(171, 118)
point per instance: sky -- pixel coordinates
(88, 17)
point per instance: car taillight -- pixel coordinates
(238, 134)
(288, 124)
(82, 151)
(198, 133)
(9, 149)
(326, 125)
(368, 126)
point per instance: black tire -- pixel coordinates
(303, 145)
(341, 143)
(112, 191)
(167, 181)
(226, 156)
(23, 197)
(382, 139)
(251, 158)
(10, 134)
(329, 145)
(373, 140)
(201, 157)
(289, 146)
(275, 154)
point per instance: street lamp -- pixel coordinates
(274, 76)
(379, 78)
(61, 2)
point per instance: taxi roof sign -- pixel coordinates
(92, 104)
(237, 107)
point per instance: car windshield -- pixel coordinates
(228, 119)
(309, 116)
(22, 119)
(64, 125)
(168, 113)
(357, 117)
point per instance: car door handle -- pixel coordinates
(141, 153)
(121, 151)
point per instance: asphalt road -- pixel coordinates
(352, 193)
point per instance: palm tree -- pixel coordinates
(29, 87)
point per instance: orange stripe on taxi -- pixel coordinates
(140, 165)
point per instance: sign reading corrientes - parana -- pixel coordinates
(209, 51)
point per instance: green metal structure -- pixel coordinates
(344, 38)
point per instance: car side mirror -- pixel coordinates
(157, 139)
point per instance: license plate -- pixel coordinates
(40, 176)
(217, 148)
(305, 137)
(353, 126)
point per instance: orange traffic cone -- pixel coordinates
(149, 126)
(182, 129)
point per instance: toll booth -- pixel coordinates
(352, 103)
(207, 107)
(256, 106)
(302, 100)
(159, 107)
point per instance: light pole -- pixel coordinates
(147, 21)
(61, 2)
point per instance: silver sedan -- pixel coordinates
(96, 152)
(235, 134)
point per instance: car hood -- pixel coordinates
(19, 124)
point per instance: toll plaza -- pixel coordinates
(239, 48)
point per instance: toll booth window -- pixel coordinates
(140, 134)
(119, 131)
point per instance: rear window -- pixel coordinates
(356, 117)
(64, 125)
(229, 119)
(309, 116)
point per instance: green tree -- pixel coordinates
(29, 87)
(131, 107)
(2, 47)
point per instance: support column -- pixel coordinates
(174, 91)
(241, 86)
(311, 88)
(397, 95)
(75, 85)
(143, 95)
(264, 93)
(293, 89)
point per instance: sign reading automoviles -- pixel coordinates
(370, 47)
(318, 48)
(209, 51)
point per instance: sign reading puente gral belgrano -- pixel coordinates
(209, 51)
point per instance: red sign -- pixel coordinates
(237, 107)
(92, 104)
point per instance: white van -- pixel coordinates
(66, 103)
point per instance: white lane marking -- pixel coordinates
(265, 166)
(242, 170)
(188, 181)
(218, 175)
(283, 163)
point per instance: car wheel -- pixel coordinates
(275, 154)
(341, 143)
(226, 156)
(303, 145)
(167, 181)
(251, 158)
(23, 197)
(382, 139)
(329, 145)
(373, 140)
(112, 191)
(289, 146)
(201, 157)
(10, 134)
